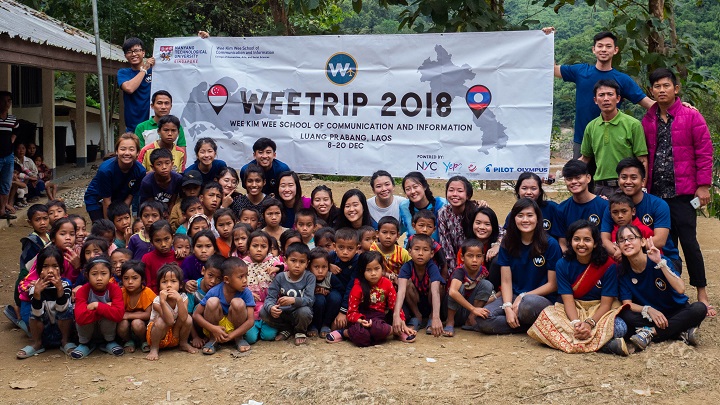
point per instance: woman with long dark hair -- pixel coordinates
(420, 197)
(354, 211)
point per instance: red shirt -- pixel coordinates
(153, 261)
(114, 312)
(645, 231)
(382, 298)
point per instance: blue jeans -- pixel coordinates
(528, 311)
(7, 164)
(325, 309)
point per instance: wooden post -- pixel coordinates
(48, 118)
(80, 119)
(121, 111)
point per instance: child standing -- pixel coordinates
(98, 306)
(395, 255)
(56, 210)
(138, 301)
(51, 315)
(469, 290)
(288, 306)
(272, 211)
(423, 222)
(345, 259)
(328, 293)
(119, 213)
(168, 130)
(161, 183)
(305, 221)
(226, 312)
(161, 237)
(420, 283)
(262, 268)
(450, 218)
(371, 299)
(151, 211)
(204, 246)
(224, 222)
(170, 323)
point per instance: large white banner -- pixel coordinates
(474, 104)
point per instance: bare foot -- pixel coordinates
(198, 342)
(186, 347)
(153, 355)
(9, 208)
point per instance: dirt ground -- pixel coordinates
(468, 367)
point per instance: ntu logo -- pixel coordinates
(341, 69)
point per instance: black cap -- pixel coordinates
(192, 177)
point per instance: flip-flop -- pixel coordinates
(324, 331)
(29, 351)
(242, 345)
(209, 348)
(145, 347)
(68, 348)
(334, 336)
(82, 351)
(129, 346)
(312, 332)
(300, 339)
(406, 338)
(9, 312)
(113, 348)
(283, 335)
(414, 323)
(448, 331)
(428, 329)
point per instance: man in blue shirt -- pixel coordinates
(135, 83)
(585, 76)
(582, 205)
(264, 154)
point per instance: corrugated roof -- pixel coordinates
(29, 24)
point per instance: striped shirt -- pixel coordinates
(7, 125)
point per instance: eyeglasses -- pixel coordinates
(630, 239)
(136, 51)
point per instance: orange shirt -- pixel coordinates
(223, 248)
(146, 299)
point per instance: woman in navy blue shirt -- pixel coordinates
(527, 261)
(117, 179)
(650, 285)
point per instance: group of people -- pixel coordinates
(198, 264)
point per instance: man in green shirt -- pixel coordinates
(610, 138)
(147, 131)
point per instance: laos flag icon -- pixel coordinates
(478, 98)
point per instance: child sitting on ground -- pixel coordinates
(288, 305)
(45, 174)
(371, 300)
(328, 293)
(305, 224)
(117, 258)
(170, 323)
(226, 312)
(262, 268)
(423, 223)
(150, 212)
(138, 301)
(469, 290)
(211, 276)
(99, 307)
(51, 315)
(420, 285)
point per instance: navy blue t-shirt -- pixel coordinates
(215, 169)
(567, 271)
(548, 211)
(585, 76)
(530, 273)
(651, 288)
(346, 276)
(137, 104)
(653, 212)
(150, 189)
(271, 176)
(110, 181)
(569, 211)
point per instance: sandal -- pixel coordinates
(129, 346)
(300, 339)
(335, 336)
(82, 351)
(324, 331)
(414, 323)
(145, 347)
(28, 351)
(428, 329)
(406, 338)
(448, 331)
(242, 345)
(209, 348)
(113, 348)
(68, 348)
(9, 312)
(312, 332)
(283, 335)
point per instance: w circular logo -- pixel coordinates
(341, 69)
